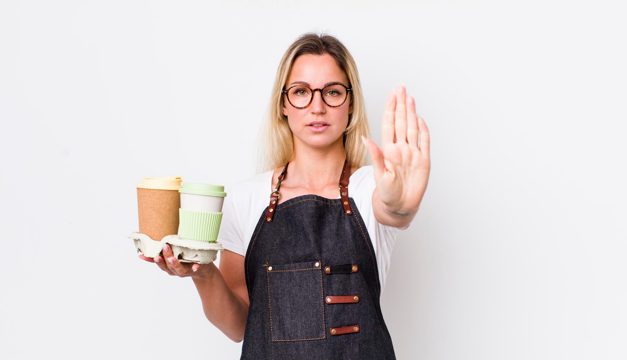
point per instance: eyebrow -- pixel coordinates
(306, 83)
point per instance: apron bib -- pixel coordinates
(313, 282)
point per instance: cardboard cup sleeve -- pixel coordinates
(158, 212)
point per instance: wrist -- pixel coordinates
(398, 212)
(205, 273)
(392, 208)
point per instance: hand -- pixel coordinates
(172, 266)
(402, 166)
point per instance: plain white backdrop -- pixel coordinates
(518, 251)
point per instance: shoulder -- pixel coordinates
(361, 187)
(245, 198)
(244, 202)
(253, 186)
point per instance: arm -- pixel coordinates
(224, 295)
(403, 164)
(223, 291)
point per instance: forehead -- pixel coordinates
(316, 70)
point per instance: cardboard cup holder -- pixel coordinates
(186, 251)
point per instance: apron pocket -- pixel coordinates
(296, 301)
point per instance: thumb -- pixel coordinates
(376, 155)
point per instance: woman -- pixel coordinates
(301, 273)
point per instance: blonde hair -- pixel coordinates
(279, 144)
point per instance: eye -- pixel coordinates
(300, 91)
(334, 91)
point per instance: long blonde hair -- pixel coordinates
(279, 144)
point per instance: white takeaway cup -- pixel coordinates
(202, 197)
(200, 214)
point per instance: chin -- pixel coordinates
(321, 142)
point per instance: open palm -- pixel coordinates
(402, 164)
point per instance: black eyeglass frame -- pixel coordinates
(313, 93)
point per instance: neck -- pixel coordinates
(316, 168)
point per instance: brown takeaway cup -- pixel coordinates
(158, 204)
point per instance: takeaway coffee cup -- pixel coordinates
(158, 204)
(200, 214)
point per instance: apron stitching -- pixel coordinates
(324, 316)
(278, 271)
(370, 250)
(250, 246)
(324, 324)
(269, 307)
(306, 200)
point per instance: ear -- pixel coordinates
(283, 108)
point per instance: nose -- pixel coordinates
(317, 104)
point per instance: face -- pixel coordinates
(317, 125)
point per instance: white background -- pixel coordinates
(519, 249)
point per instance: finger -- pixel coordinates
(141, 256)
(162, 265)
(173, 264)
(387, 126)
(400, 116)
(167, 251)
(412, 122)
(195, 267)
(376, 155)
(177, 267)
(425, 139)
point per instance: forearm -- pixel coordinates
(221, 305)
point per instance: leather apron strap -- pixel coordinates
(344, 179)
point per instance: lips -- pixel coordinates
(318, 124)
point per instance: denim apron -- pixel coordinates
(313, 282)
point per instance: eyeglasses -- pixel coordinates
(301, 95)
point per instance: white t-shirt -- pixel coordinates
(246, 201)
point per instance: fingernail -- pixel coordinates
(157, 259)
(195, 268)
(171, 260)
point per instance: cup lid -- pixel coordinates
(203, 189)
(161, 183)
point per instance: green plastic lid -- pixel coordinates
(203, 189)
